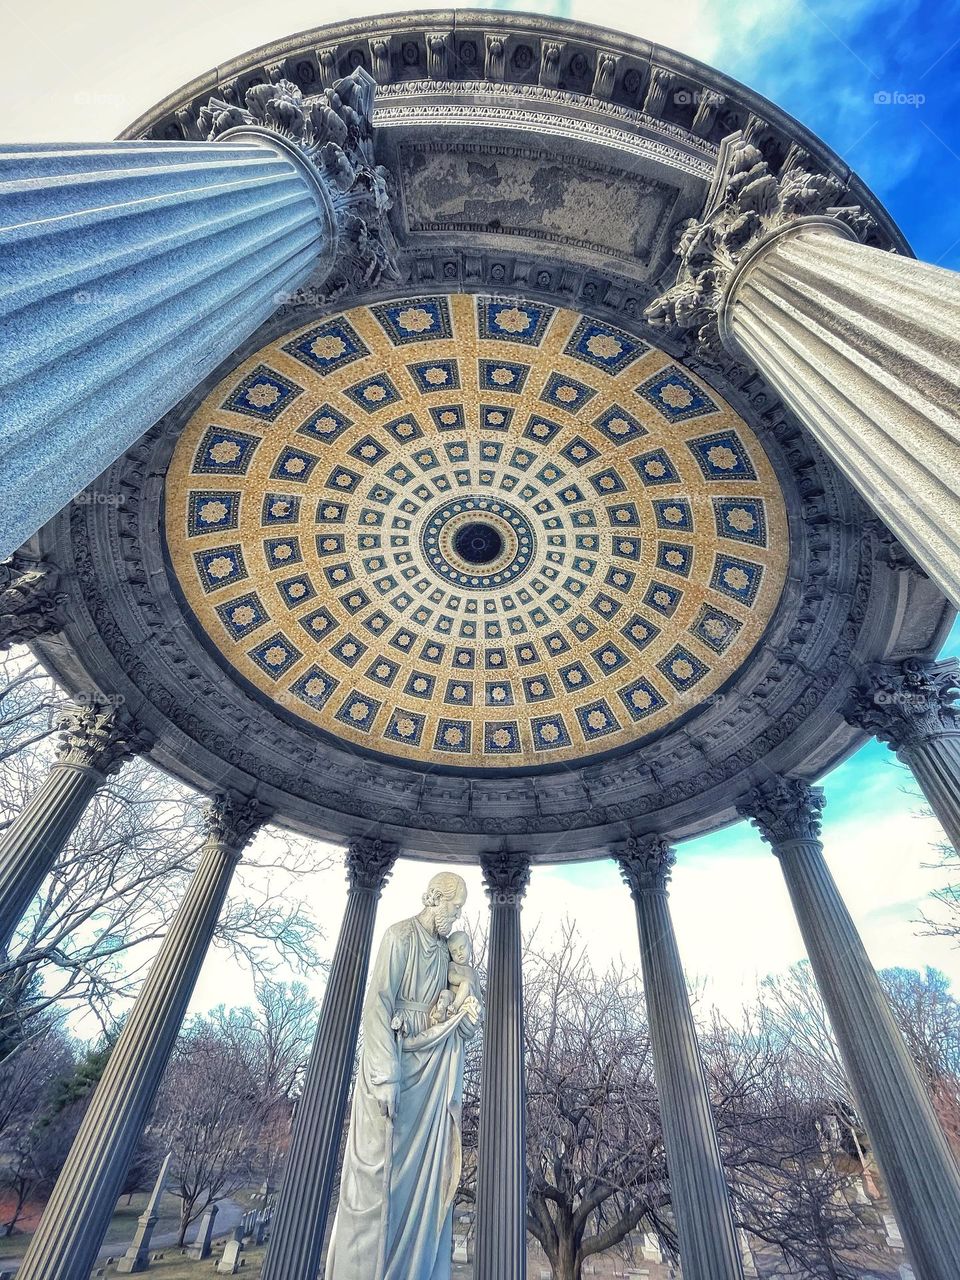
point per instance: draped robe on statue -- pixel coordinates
(408, 976)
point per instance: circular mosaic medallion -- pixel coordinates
(477, 533)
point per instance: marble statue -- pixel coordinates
(402, 1164)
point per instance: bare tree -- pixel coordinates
(93, 930)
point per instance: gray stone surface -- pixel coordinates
(298, 1229)
(918, 1167)
(78, 1213)
(202, 1245)
(709, 1249)
(501, 1240)
(137, 1256)
(95, 740)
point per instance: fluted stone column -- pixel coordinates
(912, 708)
(698, 1190)
(94, 741)
(863, 344)
(918, 1167)
(77, 1215)
(130, 270)
(501, 1249)
(297, 1231)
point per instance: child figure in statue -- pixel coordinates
(462, 978)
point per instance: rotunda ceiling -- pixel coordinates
(475, 532)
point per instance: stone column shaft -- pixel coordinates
(701, 1202)
(130, 271)
(78, 1213)
(865, 347)
(919, 1169)
(501, 1240)
(935, 763)
(299, 1225)
(93, 742)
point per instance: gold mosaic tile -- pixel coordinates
(475, 533)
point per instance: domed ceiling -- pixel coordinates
(474, 533)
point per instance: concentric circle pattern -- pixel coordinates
(475, 533)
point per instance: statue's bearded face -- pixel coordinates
(446, 913)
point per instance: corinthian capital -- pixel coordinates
(333, 130)
(506, 875)
(746, 204)
(784, 809)
(645, 863)
(98, 737)
(905, 704)
(233, 820)
(30, 600)
(369, 863)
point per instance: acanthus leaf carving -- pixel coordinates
(906, 704)
(784, 809)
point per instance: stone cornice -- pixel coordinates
(31, 599)
(232, 820)
(99, 737)
(646, 863)
(369, 862)
(784, 810)
(907, 704)
(747, 208)
(506, 875)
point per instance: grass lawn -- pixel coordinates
(176, 1267)
(121, 1229)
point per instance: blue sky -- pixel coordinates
(84, 72)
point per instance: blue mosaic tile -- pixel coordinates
(453, 736)
(673, 513)
(495, 417)
(224, 451)
(721, 456)
(275, 655)
(373, 394)
(405, 726)
(663, 598)
(682, 668)
(626, 548)
(549, 732)
(243, 615)
(383, 671)
(403, 640)
(605, 605)
(448, 417)
(280, 509)
(343, 480)
(501, 737)
(435, 375)
(457, 450)
(330, 544)
(325, 424)
(262, 394)
(620, 579)
(579, 451)
(607, 482)
(526, 653)
(743, 519)
(570, 495)
(220, 566)
(296, 590)
(619, 426)
(499, 693)
(414, 319)
(358, 711)
(603, 346)
(655, 468)
(280, 552)
(597, 720)
(495, 659)
(314, 687)
(432, 651)
(537, 688)
(420, 684)
(295, 466)
(524, 322)
(331, 512)
(675, 396)
(540, 429)
(355, 600)
(459, 693)
(624, 516)
(338, 575)
(502, 375)
(639, 631)
(404, 428)
(675, 557)
(349, 650)
(739, 579)
(641, 699)
(566, 393)
(328, 346)
(212, 511)
(609, 658)
(575, 676)
(714, 628)
(368, 451)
